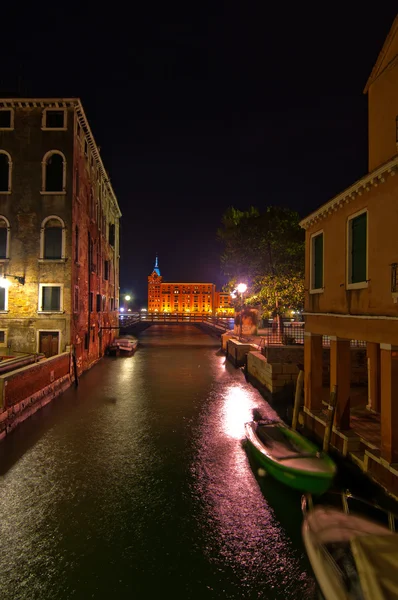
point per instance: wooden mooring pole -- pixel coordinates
(330, 419)
(297, 397)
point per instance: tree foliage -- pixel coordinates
(265, 250)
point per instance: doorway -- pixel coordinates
(48, 343)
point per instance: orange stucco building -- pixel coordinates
(351, 277)
(201, 298)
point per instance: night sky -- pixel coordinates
(204, 106)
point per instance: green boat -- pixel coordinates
(289, 457)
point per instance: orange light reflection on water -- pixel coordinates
(236, 411)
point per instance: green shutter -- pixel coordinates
(358, 248)
(318, 262)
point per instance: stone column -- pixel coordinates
(340, 375)
(373, 356)
(389, 404)
(312, 371)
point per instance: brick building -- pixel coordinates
(201, 298)
(59, 232)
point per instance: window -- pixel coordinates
(4, 238)
(316, 269)
(5, 172)
(54, 118)
(6, 118)
(112, 234)
(3, 337)
(357, 250)
(91, 302)
(77, 183)
(3, 299)
(54, 172)
(103, 303)
(76, 244)
(76, 300)
(50, 298)
(52, 242)
(99, 302)
(106, 270)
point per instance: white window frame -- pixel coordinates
(9, 191)
(2, 260)
(44, 173)
(3, 109)
(312, 257)
(39, 331)
(360, 285)
(61, 300)
(63, 242)
(54, 109)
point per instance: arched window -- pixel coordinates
(54, 172)
(52, 244)
(4, 238)
(5, 172)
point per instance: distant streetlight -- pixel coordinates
(127, 297)
(242, 287)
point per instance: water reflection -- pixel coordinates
(136, 484)
(242, 536)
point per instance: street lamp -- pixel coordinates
(242, 287)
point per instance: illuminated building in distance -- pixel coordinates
(171, 297)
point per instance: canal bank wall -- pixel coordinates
(276, 381)
(24, 391)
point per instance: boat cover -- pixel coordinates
(376, 558)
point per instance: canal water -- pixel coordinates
(137, 485)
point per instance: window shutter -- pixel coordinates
(318, 262)
(358, 248)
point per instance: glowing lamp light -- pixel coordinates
(242, 287)
(121, 309)
(127, 297)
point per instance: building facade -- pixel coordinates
(200, 298)
(351, 281)
(59, 232)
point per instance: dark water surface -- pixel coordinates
(136, 485)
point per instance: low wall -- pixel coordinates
(273, 376)
(25, 390)
(237, 351)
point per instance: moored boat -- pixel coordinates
(289, 457)
(124, 345)
(352, 556)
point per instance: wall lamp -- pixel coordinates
(5, 284)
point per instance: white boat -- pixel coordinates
(123, 345)
(353, 557)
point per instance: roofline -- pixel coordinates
(374, 178)
(83, 121)
(374, 73)
(186, 283)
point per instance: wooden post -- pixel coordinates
(330, 419)
(297, 398)
(75, 366)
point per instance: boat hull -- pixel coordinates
(297, 478)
